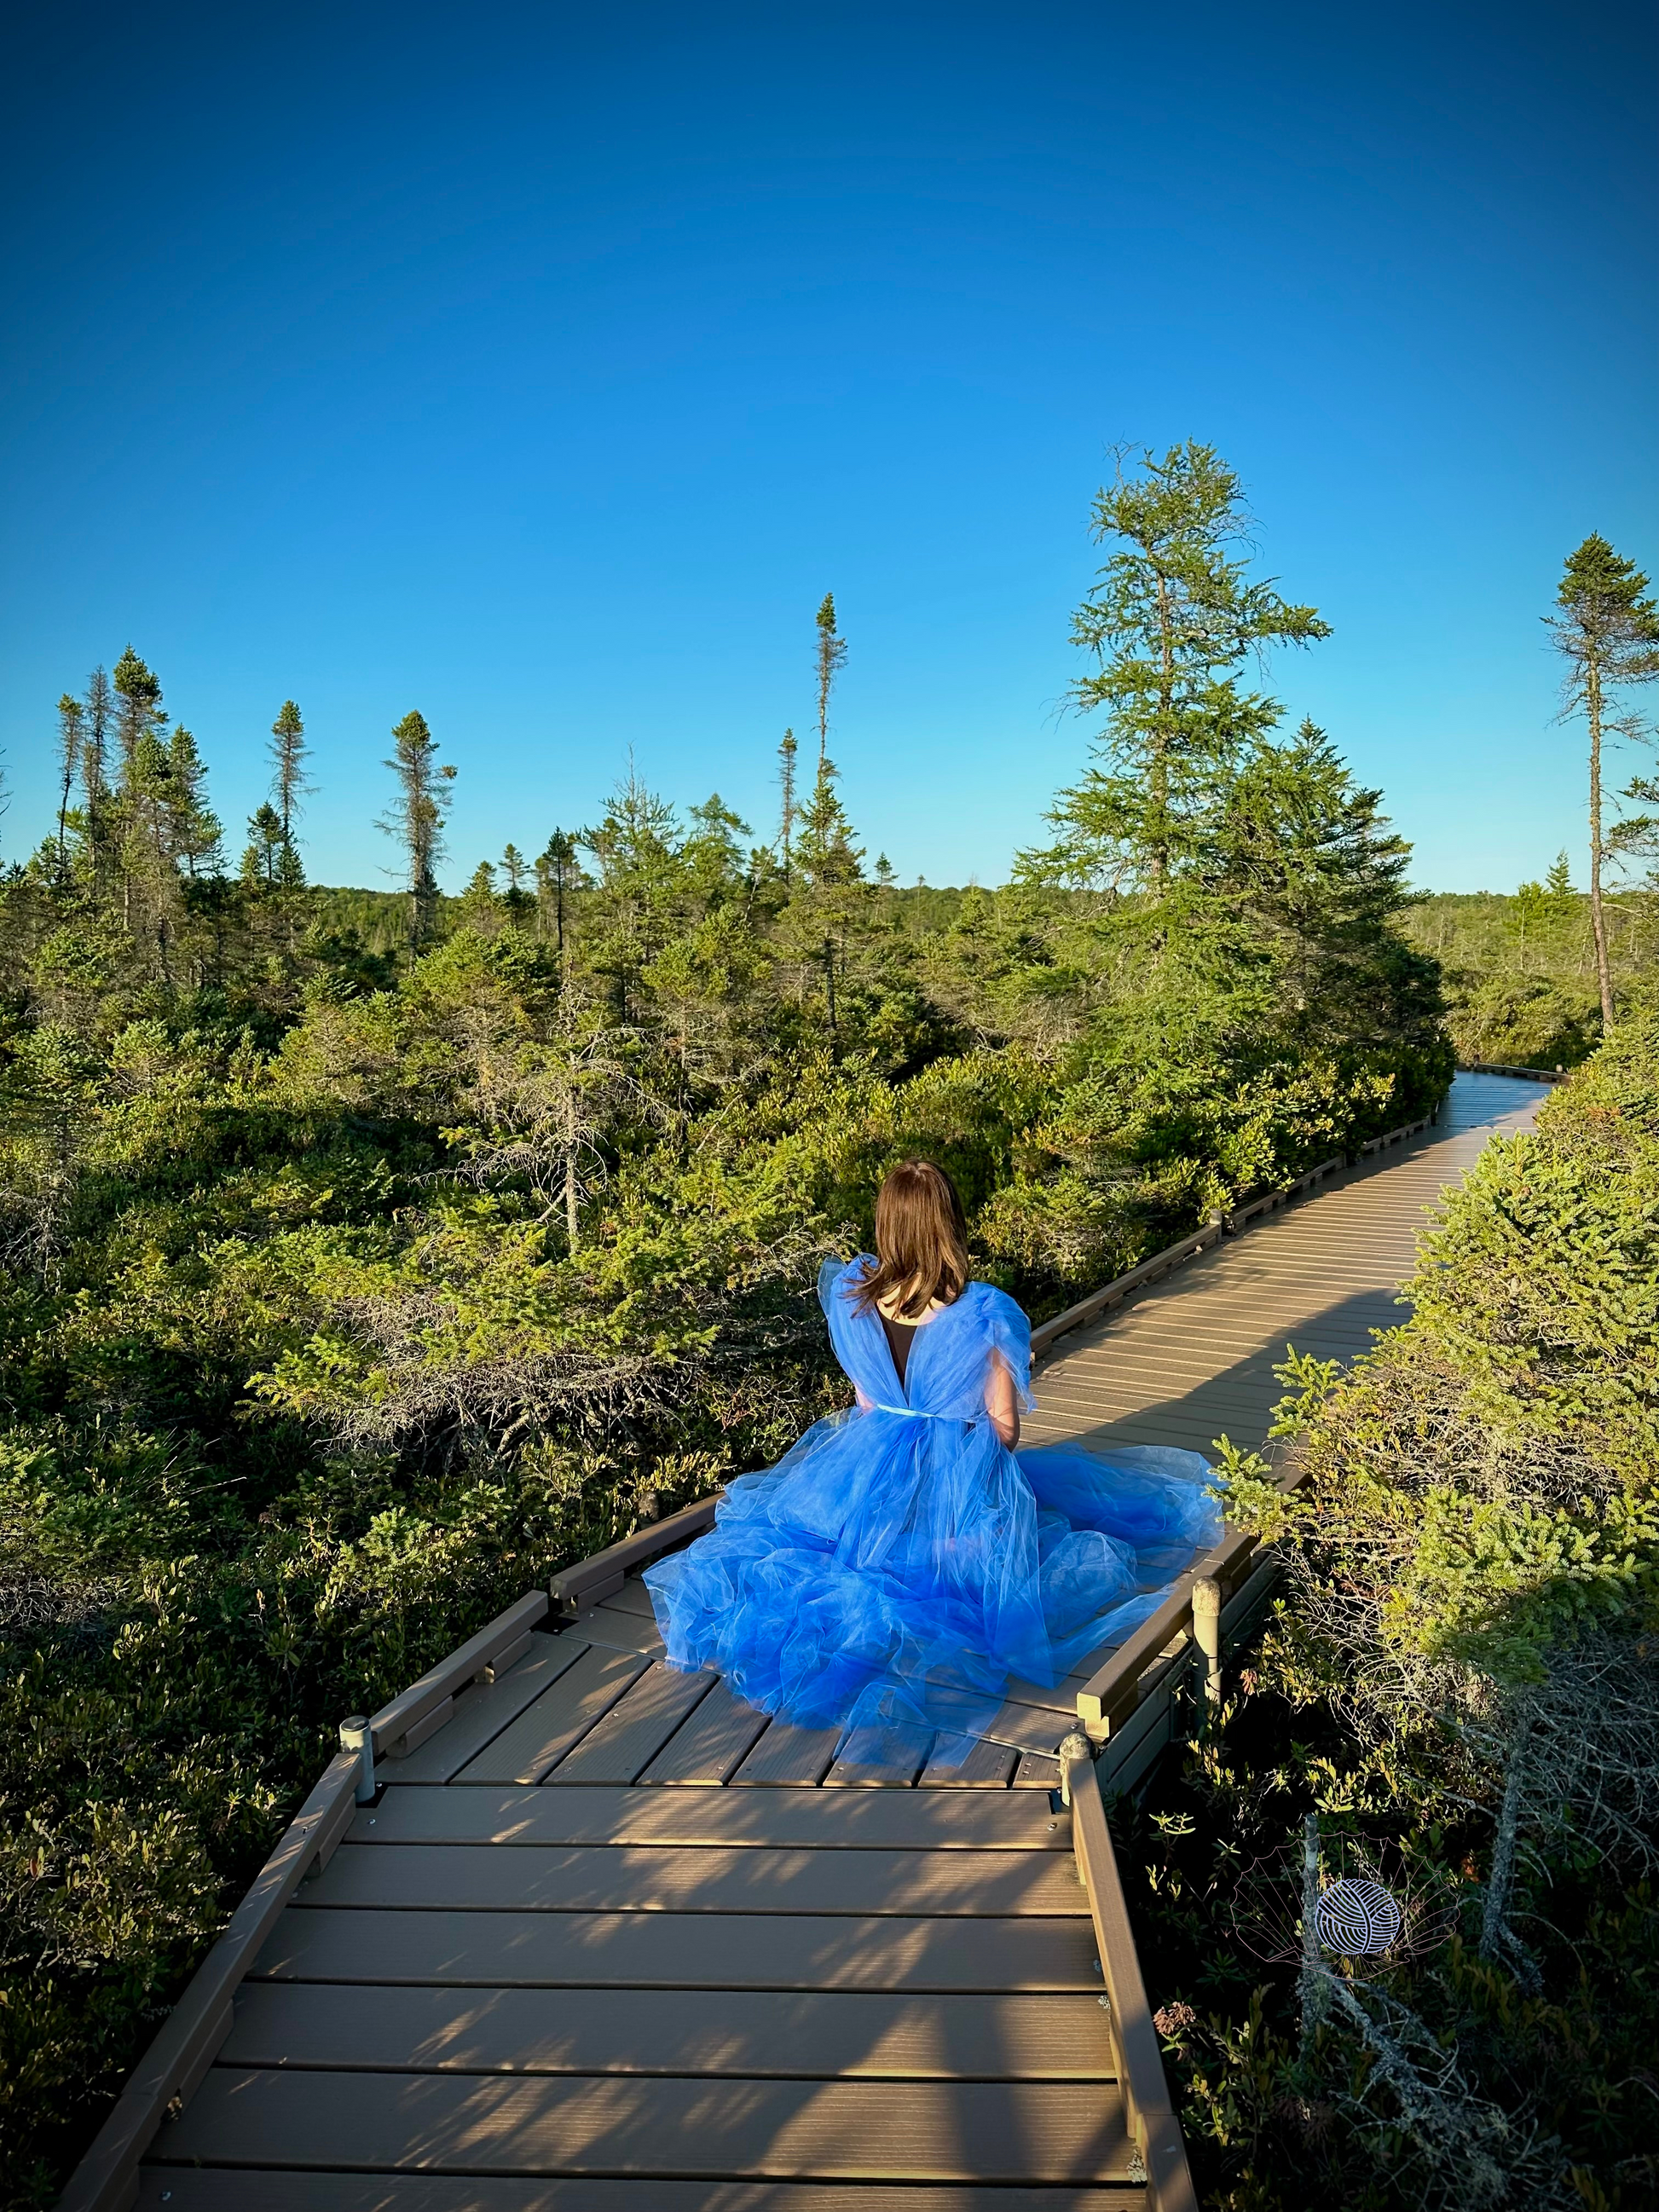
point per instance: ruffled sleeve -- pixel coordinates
(833, 1276)
(1010, 1335)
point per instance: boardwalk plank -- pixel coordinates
(698, 1950)
(483, 1711)
(881, 1758)
(634, 1597)
(785, 1754)
(1035, 1772)
(180, 2189)
(627, 1878)
(618, 1631)
(783, 1818)
(635, 1729)
(839, 2035)
(560, 1717)
(962, 1762)
(708, 1748)
(1027, 2131)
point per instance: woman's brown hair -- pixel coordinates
(921, 1242)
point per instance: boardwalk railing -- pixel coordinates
(1149, 2115)
(1556, 1074)
(106, 2178)
(1129, 1285)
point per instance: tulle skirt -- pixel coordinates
(895, 1572)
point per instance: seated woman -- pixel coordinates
(904, 1561)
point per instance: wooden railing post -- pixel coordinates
(1206, 1632)
(357, 1735)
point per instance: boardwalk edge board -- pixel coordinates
(1149, 2114)
(1158, 1658)
(106, 2179)
(1556, 1074)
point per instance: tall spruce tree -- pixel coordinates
(262, 860)
(100, 704)
(100, 720)
(1171, 620)
(289, 754)
(1606, 629)
(193, 830)
(71, 743)
(556, 871)
(138, 705)
(416, 820)
(831, 658)
(786, 752)
(1251, 888)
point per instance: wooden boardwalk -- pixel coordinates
(1192, 1359)
(606, 1940)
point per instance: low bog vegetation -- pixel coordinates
(1459, 1697)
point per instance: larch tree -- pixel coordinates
(1605, 628)
(416, 820)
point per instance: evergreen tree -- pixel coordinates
(193, 829)
(262, 861)
(71, 743)
(417, 819)
(787, 750)
(138, 705)
(100, 720)
(641, 878)
(831, 657)
(1171, 621)
(94, 742)
(517, 903)
(481, 909)
(831, 891)
(288, 755)
(1606, 629)
(555, 872)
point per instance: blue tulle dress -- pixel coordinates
(894, 1571)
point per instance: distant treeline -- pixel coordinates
(1518, 968)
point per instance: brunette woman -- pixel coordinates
(896, 1567)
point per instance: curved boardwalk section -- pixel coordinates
(606, 1940)
(1194, 1358)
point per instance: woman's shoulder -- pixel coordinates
(1002, 1319)
(838, 1274)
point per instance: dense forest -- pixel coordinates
(368, 1258)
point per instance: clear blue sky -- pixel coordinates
(542, 368)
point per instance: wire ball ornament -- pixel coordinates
(1357, 1919)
